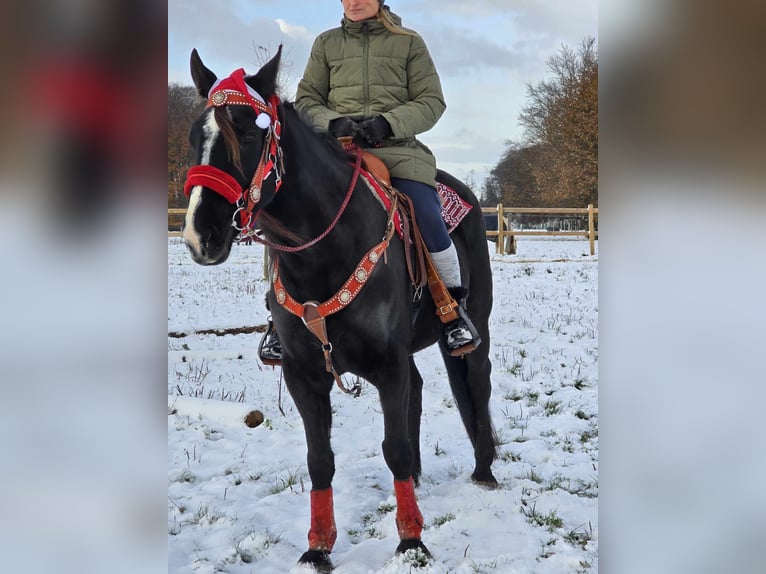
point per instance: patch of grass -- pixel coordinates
(529, 375)
(589, 434)
(533, 476)
(581, 415)
(583, 489)
(549, 521)
(205, 517)
(577, 538)
(416, 558)
(438, 451)
(283, 483)
(546, 550)
(556, 481)
(185, 475)
(509, 456)
(551, 408)
(444, 519)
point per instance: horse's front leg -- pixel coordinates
(397, 451)
(315, 410)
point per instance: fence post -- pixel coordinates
(591, 229)
(499, 244)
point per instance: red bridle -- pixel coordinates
(234, 91)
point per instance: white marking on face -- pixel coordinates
(190, 234)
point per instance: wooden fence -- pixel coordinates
(506, 237)
(174, 221)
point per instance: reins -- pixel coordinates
(333, 223)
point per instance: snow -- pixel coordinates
(238, 497)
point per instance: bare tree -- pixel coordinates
(561, 120)
(184, 105)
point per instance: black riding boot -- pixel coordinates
(270, 349)
(460, 335)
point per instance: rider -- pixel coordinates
(374, 80)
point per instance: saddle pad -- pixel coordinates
(454, 207)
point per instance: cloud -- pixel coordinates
(457, 52)
(224, 39)
(295, 32)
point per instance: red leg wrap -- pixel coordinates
(409, 521)
(322, 533)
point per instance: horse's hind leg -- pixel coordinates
(315, 410)
(413, 422)
(471, 386)
(397, 451)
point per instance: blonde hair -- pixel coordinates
(384, 17)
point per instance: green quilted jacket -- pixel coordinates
(361, 70)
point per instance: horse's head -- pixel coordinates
(236, 142)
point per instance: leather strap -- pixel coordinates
(446, 306)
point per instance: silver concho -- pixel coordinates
(374, 257)
(281, 296)
(255, 194)
(361, 275)
(219, 98)
(345, 296)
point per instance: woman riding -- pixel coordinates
(373, 80)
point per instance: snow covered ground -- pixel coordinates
(238, 497)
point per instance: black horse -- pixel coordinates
(297, 183)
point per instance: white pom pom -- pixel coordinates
(263, 121)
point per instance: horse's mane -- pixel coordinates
(328, 150)
(327, 140)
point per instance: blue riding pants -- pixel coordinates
(428, 208)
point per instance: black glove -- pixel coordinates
(342, 127)
(375, 130)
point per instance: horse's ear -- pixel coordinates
(265, 81)
(202, 77)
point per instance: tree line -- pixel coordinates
(184, 105)
(555, 165)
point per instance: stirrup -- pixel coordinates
(270, 349)
(460, 335)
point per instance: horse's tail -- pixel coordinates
(469, 379)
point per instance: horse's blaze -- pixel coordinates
(409, 520)
(322, 533)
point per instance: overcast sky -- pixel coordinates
(486, 51)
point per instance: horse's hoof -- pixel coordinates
(485, 479)
(413, 544)
(319, 559)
